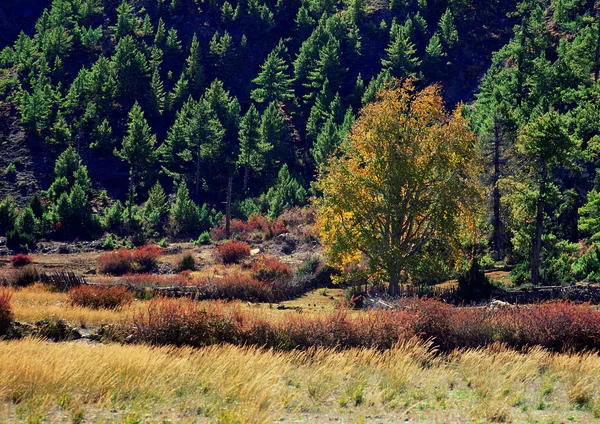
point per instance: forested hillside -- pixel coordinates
(141, 117)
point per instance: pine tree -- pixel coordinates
(193, 67)
(286, 192)
(274, 132)
(227, 13)
(131, 67)
(273, 82)
(184, 215)
(161, 33)
(447, 29)
(434, 58)
(157, 94)
(252, 148)
(401, 60)
(328, 67)
(147, 28)
(156, 209)
(180, 92)
(172, 44)
(137, 148)
(356, 12)
(126, 22)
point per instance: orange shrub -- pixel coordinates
(100, 297)
(20, 260)
(269, 269)
(146, 257)
(232, 252)
(5, 310)
(118, 262)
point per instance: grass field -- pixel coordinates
(109, 382)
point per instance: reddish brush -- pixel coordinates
(5, 310)
(147, 257)
(99, 297)
(233, 251)
(116, 263)
(183, 322)
(241, 286)
(559, 326)
(269, 269)
(20, 260)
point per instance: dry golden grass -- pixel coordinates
(110, 383)
(34, 303)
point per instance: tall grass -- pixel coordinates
(68, 382)
(6, 315)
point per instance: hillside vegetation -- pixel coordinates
(205, 107)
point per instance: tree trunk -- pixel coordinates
(597, 64)
(228, 208)
(539, 230)
(497, 219)
(197, 189)
(246, 175)
(394, 287)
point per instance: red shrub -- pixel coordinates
(20, 260)
(559, 326)
(269, 269)
(233, 251)
(183, 322)
(239, 286)
(274, 229)
(100, 297)
(5, 310)
(146, 257)
(118, 262)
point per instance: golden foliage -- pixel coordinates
(403, 188)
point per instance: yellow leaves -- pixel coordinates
(407, 176)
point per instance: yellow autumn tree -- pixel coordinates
(402, 191)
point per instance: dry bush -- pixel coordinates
(6, 315)
(186, 263)
(301, 222)
(20, 260)
(155, 280)
(100, 297)
(118, 262)
(146, 257)
(232, 252)
(23, 277)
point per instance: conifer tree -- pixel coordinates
(273, 82)
(194, 70)
(447, 29)
(126, 22)
(434, 57)
(252, 148)
(156, 209)
(137, 148)
(401, 58)
(328, 67)
(274, 132)
(131, 68)
(157, 94)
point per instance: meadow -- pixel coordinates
(308, 357)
